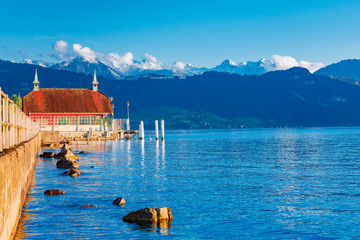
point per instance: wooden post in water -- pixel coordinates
(162, 130)
(141, 130)
(121, 134)
(156, 130)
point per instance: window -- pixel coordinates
(90, 120)
(67, 120)
(43, 120)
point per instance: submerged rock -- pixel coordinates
(67, 163)
(119, 201)
(74, 172)
(54, 192)
(89, 206)
(149, 215)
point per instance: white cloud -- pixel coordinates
(150, 62)
(61, 47)
(312, 67)
(178, 68)
(85, 52)
(180, 65)
(286, 62)
(121, 63)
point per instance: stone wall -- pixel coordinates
(50, 137)
(16, 170)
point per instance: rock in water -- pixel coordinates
(74, 172)
(66, 153)
(48, 155)
(149, 215)
(82, 152)
(164, 213)
(119, 201)
(89, 206)
(54, 192)
(67, 163)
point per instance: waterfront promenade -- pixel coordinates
(19, 146)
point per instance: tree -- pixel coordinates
(17, 100)
(108, 120)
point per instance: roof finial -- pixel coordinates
(95, 82)
(36, 81)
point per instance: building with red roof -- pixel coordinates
(67, 109)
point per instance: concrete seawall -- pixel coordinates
(16, 170)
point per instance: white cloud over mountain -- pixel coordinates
(84, 52)
(286, 62)
(115, 60)
(125, 64)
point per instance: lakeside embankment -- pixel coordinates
(16, 171)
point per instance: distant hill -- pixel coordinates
(345, 69)
(292, 98)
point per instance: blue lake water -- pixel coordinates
(220, 184)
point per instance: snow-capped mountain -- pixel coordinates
(175, 69)
(37, 62)
(150, 65)
(246, 68)
(80, 65)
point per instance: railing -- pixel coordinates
(16, 126)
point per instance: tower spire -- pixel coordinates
(95, 82)
(36, 81)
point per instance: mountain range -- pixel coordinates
(149, 65)
(293, 97)
(348, 70)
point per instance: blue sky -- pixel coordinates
(199, 32)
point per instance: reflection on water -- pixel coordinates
(21, 231)
(253, 184)
(162, 227)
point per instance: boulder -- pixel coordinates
(82, 152)
(74, 172)
(48, 155)
(67, 163)
(53, 192)
(119, 201)
(148, 215)
(66, 153)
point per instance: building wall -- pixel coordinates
(16, 170)
(72, 128)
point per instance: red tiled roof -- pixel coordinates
(66, 100)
